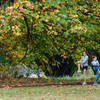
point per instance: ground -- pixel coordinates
(27, 82)
(68, 92)
(62, 88)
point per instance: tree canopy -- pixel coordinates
(49, 33)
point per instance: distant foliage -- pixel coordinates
(49, 32)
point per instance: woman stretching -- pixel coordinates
(84, 64)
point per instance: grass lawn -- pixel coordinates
(68, 92)
(73, 91)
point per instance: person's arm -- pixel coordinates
(85, 60)
(98, 64)
(91, 65)
(95, 65)
(81, 60)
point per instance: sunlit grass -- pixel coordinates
(77, 92)
(54, 92)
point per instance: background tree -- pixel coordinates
(49, 34)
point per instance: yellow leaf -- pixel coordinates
(44, 76)
(30, 5)
(20, 56)
(46, 20)
(50, 27)
(16, 5)
(9, 8)
(7, 58)
(43, 0)
(56, 11)
(82, 39)
(52, 13)
(17, 33)
(1, 38)
(37, 16)
(74, 16)
(46, 61)
(9, 13)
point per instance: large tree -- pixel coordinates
(49, 33)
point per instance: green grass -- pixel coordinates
(75, 76)
(53, 92)
(76, 92)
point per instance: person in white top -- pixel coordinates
(84, 64)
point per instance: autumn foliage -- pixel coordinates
(50, 34)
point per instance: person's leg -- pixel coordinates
(85, 74)
(79, 67)
(98, 75)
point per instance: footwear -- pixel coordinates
(79, 71)
(84, 83)
(95, 83)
